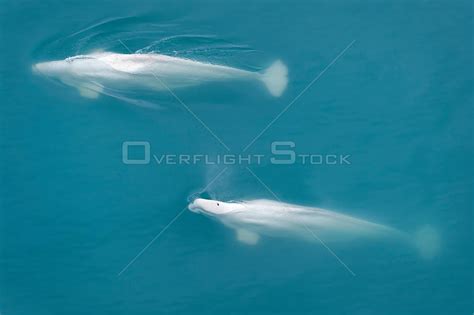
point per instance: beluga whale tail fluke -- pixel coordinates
(252, 219)
(427, 241)
(275, 78)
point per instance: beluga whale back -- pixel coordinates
(255, 218)
(105, 72)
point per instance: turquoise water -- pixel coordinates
(398, 101)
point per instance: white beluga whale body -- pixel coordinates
(107, 71)
(251, 219)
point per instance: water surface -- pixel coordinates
(398, 101)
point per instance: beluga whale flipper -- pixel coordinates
(255, 218)
(105, 72)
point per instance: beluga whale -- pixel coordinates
(252, 219)
(108, 72)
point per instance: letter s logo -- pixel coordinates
(286, 156)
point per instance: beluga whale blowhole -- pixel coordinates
(253, 219)
(107, 72)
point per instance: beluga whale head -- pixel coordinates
(52, 69)
(70, 67)
(82, 72)
(212, 207)
(232, 214)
